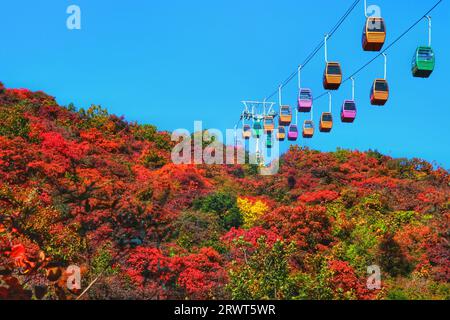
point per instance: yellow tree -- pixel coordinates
(251, 210)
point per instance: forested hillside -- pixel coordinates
(82, 187)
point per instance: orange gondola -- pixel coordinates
(285, 117)
(326, 122)
(374, 34)
(269, 124)
(332, 76)
(247, 132)
(281, 134)
(379, 94)
(308, 129)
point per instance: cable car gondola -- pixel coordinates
(305, 100)
(281, 134)
(326, 122)
(348, 111)
(424, 59)
(257, 129)
(332, 76)
(423, 62)
(285, 117)
(308, 129)
(269, 124)
(374, 34)
(293, 132)
(379, 94)
(246, 132)
(269, 141)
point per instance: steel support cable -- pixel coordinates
(318, 47)
(384, 50)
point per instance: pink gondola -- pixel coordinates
(293, 132)
(348, 111)
(305, 100)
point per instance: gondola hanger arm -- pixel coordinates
(429, 29)
(280, 95)
(299, 71)
(330, 101)
(353, 88)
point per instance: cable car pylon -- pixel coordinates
(261, 117)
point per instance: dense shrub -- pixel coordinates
(89, 188)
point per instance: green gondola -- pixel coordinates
(423, 62)
(269, 141)
(257, 128)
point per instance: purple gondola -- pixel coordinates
(348, 111)
(293, 132)
(305, 100)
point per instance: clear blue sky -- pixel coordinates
(169, 63)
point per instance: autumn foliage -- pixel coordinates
(86, 188)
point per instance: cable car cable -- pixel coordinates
(318, 47)
(386, 49)
(315, 50)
